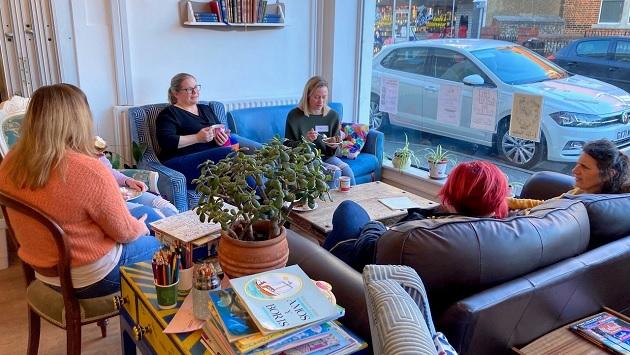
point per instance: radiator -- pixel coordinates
(121, 142)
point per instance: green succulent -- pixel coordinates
(282, 177)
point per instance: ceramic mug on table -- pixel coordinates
(344, 184)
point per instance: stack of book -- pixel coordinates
(276, 312)
(206, 17)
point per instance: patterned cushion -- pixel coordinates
(150, 178)
(408, 279)
(354, 137)
(396, 323)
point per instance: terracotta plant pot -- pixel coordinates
(239, 258)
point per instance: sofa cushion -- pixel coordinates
(363, 164)
(354, 137)
(260, 124)
(459, 256)
(608, 216)
(396, 323)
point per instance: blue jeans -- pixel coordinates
(345, 168)
(189, 164)
(354, 236)
(138, 211)
(155, 202)
(141, 249)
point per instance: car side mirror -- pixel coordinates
(474, 80)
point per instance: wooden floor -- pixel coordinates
(14, 324)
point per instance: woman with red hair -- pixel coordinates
(475, 189)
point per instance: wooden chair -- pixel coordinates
(61, 309)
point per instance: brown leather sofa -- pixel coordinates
(493, 284)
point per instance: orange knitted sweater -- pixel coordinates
(87, 205)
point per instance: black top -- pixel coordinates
(174, 122)
(298, 124)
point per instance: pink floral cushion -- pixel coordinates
(353, 139)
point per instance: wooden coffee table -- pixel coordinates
(316, 224)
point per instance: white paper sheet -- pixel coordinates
(484, 109)
(399, 203)
(389, 95)
(449, 104)
(526, 116)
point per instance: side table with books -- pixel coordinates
(602, 333)
(142, 321)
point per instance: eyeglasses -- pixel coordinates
(192, 89)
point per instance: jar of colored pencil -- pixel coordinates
(205, 279)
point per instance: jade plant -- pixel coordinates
(263, 186)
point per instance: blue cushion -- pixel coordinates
(260, 124)
(363, 164)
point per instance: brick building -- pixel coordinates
(579, 15)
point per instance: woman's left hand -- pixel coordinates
(221, 137)
(136, 185)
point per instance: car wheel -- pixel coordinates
(516, 151)
(378, 119)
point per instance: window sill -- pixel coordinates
(611, 26)
(414, 180)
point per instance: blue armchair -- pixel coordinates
(261, 124)
(171, 183)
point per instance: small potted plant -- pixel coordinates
(438, 159)
(263, 187)
(403, 156)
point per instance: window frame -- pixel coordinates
(624, 21)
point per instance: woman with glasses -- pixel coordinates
(184, 131)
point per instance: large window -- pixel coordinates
(432, 84)
(611, 11)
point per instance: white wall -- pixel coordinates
(230, 64)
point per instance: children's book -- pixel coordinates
(262, 341)
(338, 341)
(233, 317)
(282, 299)
(607, 331)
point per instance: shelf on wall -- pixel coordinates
(216, 10)
(221, 24)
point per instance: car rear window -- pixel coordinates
(622, 51)
(410, 60)
(593, 49)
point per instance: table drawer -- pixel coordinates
(160, 342)
(129, 297)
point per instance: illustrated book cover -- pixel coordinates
(606, 330)
(282, 299)
(234, 318)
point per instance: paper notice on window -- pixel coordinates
(526, 116)
(449, 104)
(389, 95)
(484, 109)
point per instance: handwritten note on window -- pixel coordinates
(484, 109)
(449, 104)
(526, 116)
(389, 95)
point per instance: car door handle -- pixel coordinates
(612, 69)
(431, 88)
(571, 63)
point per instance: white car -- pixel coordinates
(576, 109)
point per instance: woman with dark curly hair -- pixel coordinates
(601, 169)
(475, 189)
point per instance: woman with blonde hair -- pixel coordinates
(54, 168)
(314, 120)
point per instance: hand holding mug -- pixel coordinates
(221, 137)
(205, 135)
(311, 135)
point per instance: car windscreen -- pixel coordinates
(517, 65)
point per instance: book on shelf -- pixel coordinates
(607, 331)
(282, 299)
